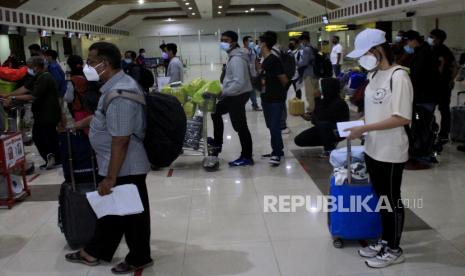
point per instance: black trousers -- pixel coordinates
(322, 134)
(45, 138)
(136, 230)
(298, 92)
(444, 109)
(235, 106)
(386, 179)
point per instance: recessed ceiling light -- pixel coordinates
(190, 8)
(252, 9)
(193, 13)
(141, 2)
(187, 4)
(170, 20)
(247, 11)
(219, 12)
(220, 7)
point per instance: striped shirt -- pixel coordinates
(123, 117)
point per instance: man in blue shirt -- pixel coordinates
(54, 68)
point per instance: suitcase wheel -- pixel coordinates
(338, 243)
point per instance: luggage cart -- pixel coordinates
(199, 130)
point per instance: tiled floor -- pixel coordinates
(208, 224)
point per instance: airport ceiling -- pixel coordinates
(127, 14)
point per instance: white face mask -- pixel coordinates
(430, 41)
(398, 39)
(369, 62)
(225, 46)
(31, 72)
(90, 73)
(128, 60)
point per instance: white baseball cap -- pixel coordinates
(366, 40)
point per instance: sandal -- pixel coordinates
(76, 257)
(125, 268)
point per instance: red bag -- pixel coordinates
(8, 74)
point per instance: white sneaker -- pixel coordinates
(286, 130)
(372, 250)
(385, 258)
(275, 161)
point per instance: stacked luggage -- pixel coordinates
(350, 179)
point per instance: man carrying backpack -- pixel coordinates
(116, 133)
(235, 95)
(305, 65)
(139, 73)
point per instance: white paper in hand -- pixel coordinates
(124, 200)
(346, 125)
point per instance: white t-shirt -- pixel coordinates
(337, 49)
(380, 104)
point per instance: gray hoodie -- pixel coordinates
(237, 77)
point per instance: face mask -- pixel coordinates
(430, 41)
(31, 72)
(128, 60)
(90, 73)
(369, 62)
(409, 50)
(165, 55)
(225, 46)
(251, 45)
(398, 39)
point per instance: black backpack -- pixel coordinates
(165, 125)
(423, 131)
(146, 77)
(288, 62)
(322, 67)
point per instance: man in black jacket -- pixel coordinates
(329, 110)
(423, 70)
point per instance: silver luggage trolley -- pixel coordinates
(196, 142)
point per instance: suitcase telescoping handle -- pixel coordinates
(349, 162)
(458, 96)
(71, 166)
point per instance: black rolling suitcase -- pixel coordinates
(457, 126)
(76, 218)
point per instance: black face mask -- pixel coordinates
(292, 47)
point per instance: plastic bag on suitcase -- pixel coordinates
(193, 134)
(338, 157)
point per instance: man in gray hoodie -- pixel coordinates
(306, 71)
(237, 87)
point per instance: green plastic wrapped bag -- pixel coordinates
(179, 95)
(166, 89)
(189, 109)
(188, 90)
(213, 87)
(197, 84)
(198, 98)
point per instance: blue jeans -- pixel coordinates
(273, 113)
(253, 98)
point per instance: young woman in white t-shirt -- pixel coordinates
(388, 109)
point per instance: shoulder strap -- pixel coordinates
(392, 76)
(122, 94)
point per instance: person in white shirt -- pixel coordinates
(388, 109)
(337, 56)
(175, 68)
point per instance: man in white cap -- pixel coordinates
(388, 109)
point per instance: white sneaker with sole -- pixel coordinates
(275, 161)
(372, 250)
(50, 161)
(385, 258)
